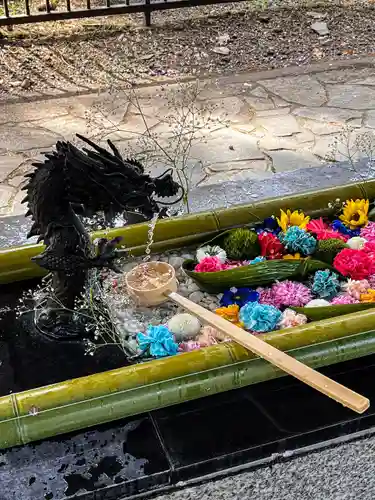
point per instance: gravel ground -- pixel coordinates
(222, 39)
(342, 473)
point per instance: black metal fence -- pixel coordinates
(12, 13)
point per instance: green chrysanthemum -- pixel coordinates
(328, 249)
(241, 244)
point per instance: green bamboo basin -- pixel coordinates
(87, 401)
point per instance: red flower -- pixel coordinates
(270, 246)
(316, 226)
(369, 248)
(209, 265)
(323, 232)
(356, 264)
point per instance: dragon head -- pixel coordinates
(102, 181)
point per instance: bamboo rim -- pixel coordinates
(84, 396)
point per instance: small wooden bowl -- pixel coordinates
(153, 296)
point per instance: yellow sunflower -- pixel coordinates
(355, 213)
(295, 218)
(368, 297)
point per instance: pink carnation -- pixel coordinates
(354, 288)
(355, 264)
(369, 248)
(290, 319)
(371, 280)
(209, 265)
(266, 296)
(291, 294)
(231, 264)
(190, 345)
(368, 232)
(344, 298)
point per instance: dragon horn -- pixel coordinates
(115, 150)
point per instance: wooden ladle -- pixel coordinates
(154, 291)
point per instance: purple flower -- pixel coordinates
(269, 225)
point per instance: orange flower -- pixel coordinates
(230, 313)
(368, 297)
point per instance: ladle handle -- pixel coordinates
(290, 365)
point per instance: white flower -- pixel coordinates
(317, 303)
(209, 251)
(184, 326)
(356, 243)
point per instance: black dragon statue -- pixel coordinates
(71, 183)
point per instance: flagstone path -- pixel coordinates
(263, 124)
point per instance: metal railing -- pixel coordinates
(25, 15)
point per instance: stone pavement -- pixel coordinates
(262, 124)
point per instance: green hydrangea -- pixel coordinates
(241, 244)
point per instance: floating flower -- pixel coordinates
(290, 294)
(184, 326)
(257, 260)
(209, 331)
(356, 243)
(369, 296)
(328, 249)
(190, 345)
(337, 225)
(317, 303)
(322, 231)
(241, 243)
(326, 284)
(211, 251)
(368, 232)
(209, 265)
(270, 246)
(371, 280)
(369, 249)
(259, 317)
(316, 226)
(266, 296)
(355, 264)
(290, 219)
(158, 341)
(355, 288)
(297, 240)
(230, 313)
(296, 256)
(344, 298)
(269, 225)
(207, 337)
(239, 296)
(290, 318)
(231, 264)
(355, 213)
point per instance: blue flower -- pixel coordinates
(259, 317)
(297, 240)
(269, 225)
(158, 340)
(326, 285)
(337, 225)
(239, 296)
(257, 260)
